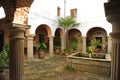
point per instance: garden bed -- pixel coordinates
(98, 64)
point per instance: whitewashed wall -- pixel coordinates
(90, 13)
(43, 12)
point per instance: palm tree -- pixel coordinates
(66, 23)
(64, 8)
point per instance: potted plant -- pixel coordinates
(41, 49)
(74, 44)
(90, 51)
(96, 44)
(67, 51)
(4, 60)
(57, 49)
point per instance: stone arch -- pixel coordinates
(98, 33)
(43, 32)
(43, 29)
(75, 33)
(60, 32)
(17, 12)
(46, 27)
(9, 11)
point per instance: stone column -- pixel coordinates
(115, 65)
(84, 45)
(62, 44)
(109, 45)
(30, 46)
(112, 11)
(51, 46)
(16, 59)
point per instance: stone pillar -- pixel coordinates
(109, 45)
(62, 44)
(112, 11)
(115, 65)
(30, 46)
(84, 45)
(16, 59)
(51, 46)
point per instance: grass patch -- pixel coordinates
(68, 68)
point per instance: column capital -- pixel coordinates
(15, 25)
(115, 35)
(51, 37)
(30, 35)
(109, 37)
(16, 30)
(112, 11)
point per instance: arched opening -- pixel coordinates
(58, 35)
(57, 40)
(74, 33)
(1, 40)
(43, 33)
(98, 34)
(2, 16)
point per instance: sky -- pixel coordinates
(2, 14)
(88, 8)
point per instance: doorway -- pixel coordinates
(1, 40)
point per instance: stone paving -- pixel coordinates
(55, 68)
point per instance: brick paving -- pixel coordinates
(55, 69)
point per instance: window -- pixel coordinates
(58, 11)
(74, 12)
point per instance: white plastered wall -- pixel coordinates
(89, 14)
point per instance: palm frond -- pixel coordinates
(67, 22)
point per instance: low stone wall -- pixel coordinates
(92, 65)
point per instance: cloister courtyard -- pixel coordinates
(59, 40)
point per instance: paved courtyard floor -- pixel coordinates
(55, 68)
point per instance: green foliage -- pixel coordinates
(67, 22)
(4, 58)
(41, 46)
(80, 54)
(67, 49)
(68, 68)
(90, 49)
(96, 43)
(74, 43)
(57, 47)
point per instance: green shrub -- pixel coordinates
(4, 58)
(66, 49)
(68, 68)
(41, 46)
(74, 43)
